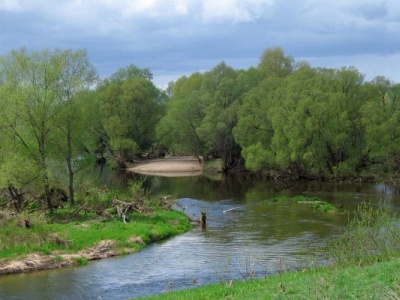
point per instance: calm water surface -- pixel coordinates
(252, 241)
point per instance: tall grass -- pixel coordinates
(373, 235)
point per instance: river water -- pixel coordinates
(253, 240)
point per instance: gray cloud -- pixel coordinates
(178, 37)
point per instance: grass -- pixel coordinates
(313, 202)
(45, 238)
(373, 235)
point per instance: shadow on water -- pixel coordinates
(253, 240)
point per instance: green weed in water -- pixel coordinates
(81, 261)
(314, 202)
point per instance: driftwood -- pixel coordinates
(240, 207)
(123, 208)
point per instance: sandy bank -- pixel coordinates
(170, 167)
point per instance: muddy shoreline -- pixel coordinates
(36, 262)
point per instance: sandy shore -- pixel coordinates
(169, 167)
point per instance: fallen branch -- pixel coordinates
(239, 207)
(123, 208)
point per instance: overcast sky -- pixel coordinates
(179, 37)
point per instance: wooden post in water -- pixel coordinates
(203, 220)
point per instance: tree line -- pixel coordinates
(282, 117)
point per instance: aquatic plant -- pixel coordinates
(314, 202)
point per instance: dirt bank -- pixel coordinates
(36, 262)
(170, 167)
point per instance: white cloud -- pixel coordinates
(10, 5)
(234, 10)
(349, 15)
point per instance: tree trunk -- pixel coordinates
(16, 195)
(68, 159)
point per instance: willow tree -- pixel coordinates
(39, 108)
(222, 96)
(254, 130)
(32, 111)
(130, 107)
(302, 121)
(77, 75)
(381, 120)
(184, 113)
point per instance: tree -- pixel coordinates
(202, 112)
(306, 123)
(32, 107)
(254, 131)
(184, 112)
(130, 108)
(274, 63)
(42, 115)
(76, 77)
(222, 96)
(381, 120)
(129, 72)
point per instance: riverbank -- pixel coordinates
(377, 281)
(50, 246)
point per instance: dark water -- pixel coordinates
(252, 241)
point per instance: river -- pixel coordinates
(251, 241)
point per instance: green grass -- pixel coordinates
(373, 235)
(82, 261)
(44, 238)
(313, 202)
(378, 281)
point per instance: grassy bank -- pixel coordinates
(378, 281)
(99, 226)
(45, 238)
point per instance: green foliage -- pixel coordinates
(129, 72)
(306, 123)
(381, 120)
(202, 113)
(184, 112)
(313, 202)
(273, 63)
(129, 110)
(82, 261)
(372, 235)
(43, 120)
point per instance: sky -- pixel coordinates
(179, 37)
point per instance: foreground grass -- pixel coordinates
(377, 281)
(44, 238)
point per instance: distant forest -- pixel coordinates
(283, 118)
